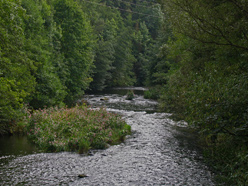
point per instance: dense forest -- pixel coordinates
(193, 53)
(52, 51)
(207, 81)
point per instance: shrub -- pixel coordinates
(228, 157)
(130, 95)
(152, 93)
(74, 129)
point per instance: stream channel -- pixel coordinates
(159, 151)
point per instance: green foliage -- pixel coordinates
(141, 44)
(103, 64)
(74, 129)
(209, 86)
(125, 42)
(49, 90)
(51, 50)
(122, 74)
(159, 64)
(222, 23)
(151, 14)
(130, 95)
(152, 93)
(206, 94)
(104, 57)
(16, 80)
(114, 57)
(207, 83)
(38, 31)
(230, 158)
(76, 46)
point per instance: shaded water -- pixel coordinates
(157, 153)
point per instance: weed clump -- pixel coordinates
(74, 129)
(130, 95)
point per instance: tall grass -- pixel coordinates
(74, 129)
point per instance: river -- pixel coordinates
(160, 151)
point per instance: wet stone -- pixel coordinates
(82, 176)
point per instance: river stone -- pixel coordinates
(82, 176)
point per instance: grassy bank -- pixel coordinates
(74, 129)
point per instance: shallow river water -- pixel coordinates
(160, 151)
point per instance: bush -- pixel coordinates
(228, 157)
(130, 95)
(152, 93)
(74, 129)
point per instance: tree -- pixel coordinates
(209, 85)
(220, 23)
(150, 13)
(122, 73)
(104, 57)
(76, 46)
(16, 80)
(142, 43)
(39, 31)
(159, 62)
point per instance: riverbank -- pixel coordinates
(228, 158)
(73, 129)
(156, 153)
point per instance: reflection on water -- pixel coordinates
(157, 153)
(15, 145)
(123, 91)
